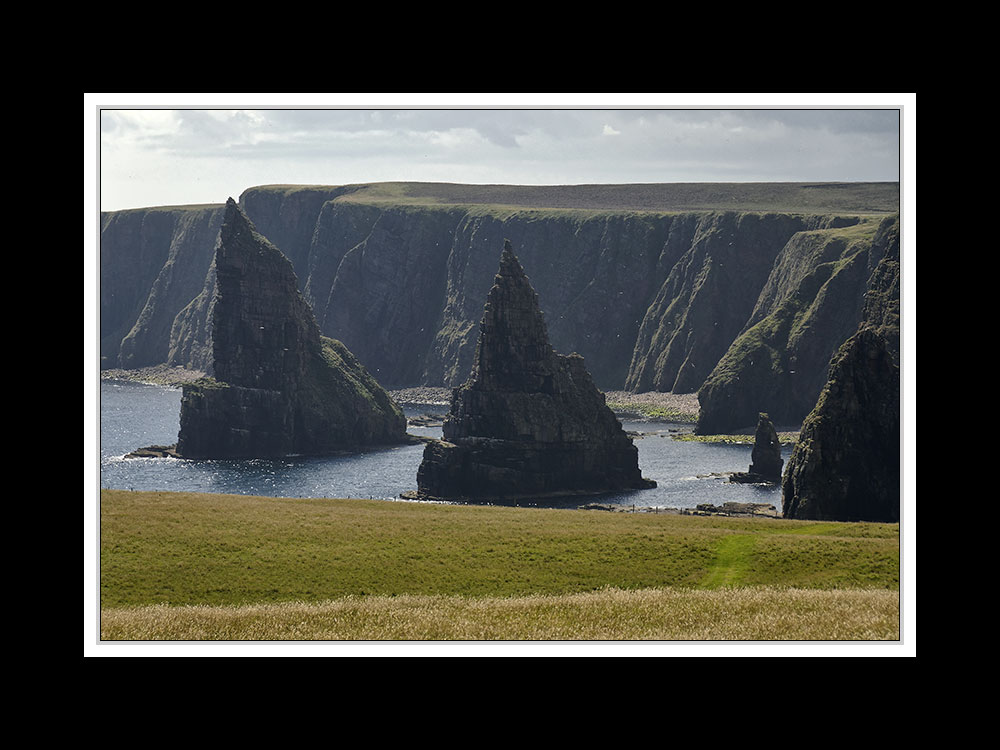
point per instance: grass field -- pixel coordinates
(788, 197)
(180, 566)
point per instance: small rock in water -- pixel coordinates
(154, 451)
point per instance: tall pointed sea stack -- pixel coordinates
(529, 422)
(280, 388)
(845, 466)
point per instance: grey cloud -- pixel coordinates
(527, 146)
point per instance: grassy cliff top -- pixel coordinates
(871, 198)
(186, 207)
(786, 197)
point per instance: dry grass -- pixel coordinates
(742, 614)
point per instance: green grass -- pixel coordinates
(852, 198)
(732, 561)
(187, 549)
(189, 566)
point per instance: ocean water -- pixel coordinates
(134, 416)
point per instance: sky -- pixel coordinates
(154, 150)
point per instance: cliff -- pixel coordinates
(822, 284)
(655, 285)
(153, 263)
(279, 387)
(845, 465)
(528, 422)
(710, 290)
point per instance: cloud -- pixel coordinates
(149, 151)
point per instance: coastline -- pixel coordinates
(654, 407)
(647, 407)
(658, 407)
(155, 375)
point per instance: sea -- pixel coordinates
(135, 415)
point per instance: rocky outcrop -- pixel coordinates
(766, 460)
(845, 465)
(528, 422)
(279, 387)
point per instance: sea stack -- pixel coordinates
(845, 466)
(766, 460)
(528, 422)
(279, 387)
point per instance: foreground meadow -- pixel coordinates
(185, 566)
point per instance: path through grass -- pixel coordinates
(732, 560)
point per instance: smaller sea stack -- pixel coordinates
(766, 460)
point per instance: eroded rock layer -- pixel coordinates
(529, 421)
(279, 387)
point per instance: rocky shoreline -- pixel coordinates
(654, 406)
(704, 509)
(422, 396)
(674, 407)
(156, 375)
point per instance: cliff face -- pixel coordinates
(721, 302)
(529, 421)
(881, 306)
(191, 332)
(287, 217)
(153, 263)
(845, 465)
(279, 387)
(593, 274)
(384, 297)
(706, 298)
(812, 302)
